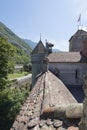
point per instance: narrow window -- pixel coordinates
(76, 75)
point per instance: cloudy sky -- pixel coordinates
(56, 20)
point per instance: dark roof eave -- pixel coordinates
(65, 62)
(79, 32)
(75, 36)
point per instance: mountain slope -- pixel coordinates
(14, 39)
(33, 44)
(30, 43)
(56, 50)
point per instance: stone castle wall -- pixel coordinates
(83, 125)
(69, 73)
(76, 44)
(37, 65)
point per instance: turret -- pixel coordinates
(37, 56)
(76, 41)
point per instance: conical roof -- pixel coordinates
(79, 32)
(39, 48)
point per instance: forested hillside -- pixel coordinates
(23, 50)
(30, 43)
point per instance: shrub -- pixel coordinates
(27, 67)
(10, 103)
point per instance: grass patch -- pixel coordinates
(16, 75)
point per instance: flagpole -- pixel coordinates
(79, 21)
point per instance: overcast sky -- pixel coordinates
(56, 20)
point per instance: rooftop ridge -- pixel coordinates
(30, 114)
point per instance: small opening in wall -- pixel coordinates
(76, 74)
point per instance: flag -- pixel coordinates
(79, 19)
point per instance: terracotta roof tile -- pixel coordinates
(51, 90)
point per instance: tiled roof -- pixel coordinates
(47, 93)
(39, 48)
(65, 57)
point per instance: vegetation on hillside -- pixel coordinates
(23, 50)
(30, 43)
(21, 57)
(13, 38)
(7, 52)
(11, 99)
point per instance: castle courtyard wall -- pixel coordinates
(69, 73)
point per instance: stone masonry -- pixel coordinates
(83, 125)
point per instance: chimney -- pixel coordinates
(49, 47)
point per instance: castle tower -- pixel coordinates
(37, 56)
(76, 41)
(84, 51)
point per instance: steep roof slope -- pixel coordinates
(39, 48)
(79, 32)
(48, 93)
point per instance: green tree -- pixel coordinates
(11, 99)
(6, 60)
(21, 56)
(10, 103)
(27, 67)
